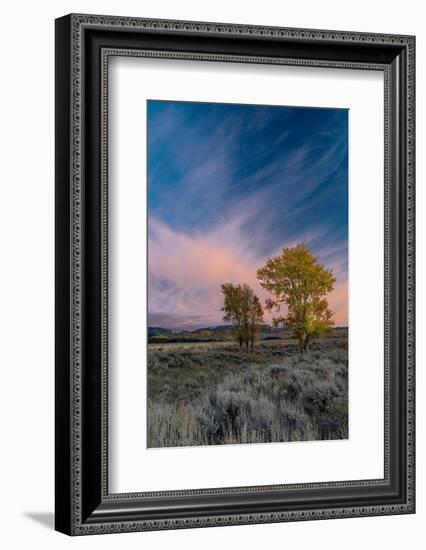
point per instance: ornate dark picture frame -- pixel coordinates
(84, 44)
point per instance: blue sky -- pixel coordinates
(230, 185)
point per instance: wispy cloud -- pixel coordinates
(231, 185)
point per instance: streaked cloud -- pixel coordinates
(229, 186)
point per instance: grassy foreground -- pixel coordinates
(211, 394)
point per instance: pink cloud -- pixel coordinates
(186, 271)
(338, 301)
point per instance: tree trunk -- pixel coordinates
(308, 342)
(302, 343)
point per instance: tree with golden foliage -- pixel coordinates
(243, 309)
(297, 279)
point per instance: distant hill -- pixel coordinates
(158, 335)
(219, 328)
(207, 334)
(153, 331)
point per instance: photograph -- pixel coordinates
(247, 283)
(235, 275)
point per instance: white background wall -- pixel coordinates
(27, 262)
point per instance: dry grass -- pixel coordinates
(210, 394)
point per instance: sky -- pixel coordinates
(232, 185)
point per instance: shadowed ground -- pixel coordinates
(211, 394)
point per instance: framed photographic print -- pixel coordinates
(234, 274)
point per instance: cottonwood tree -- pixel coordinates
(232, 309)
(297, 279)
(242, 308)
(256, 319)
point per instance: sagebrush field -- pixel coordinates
(208, 393)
